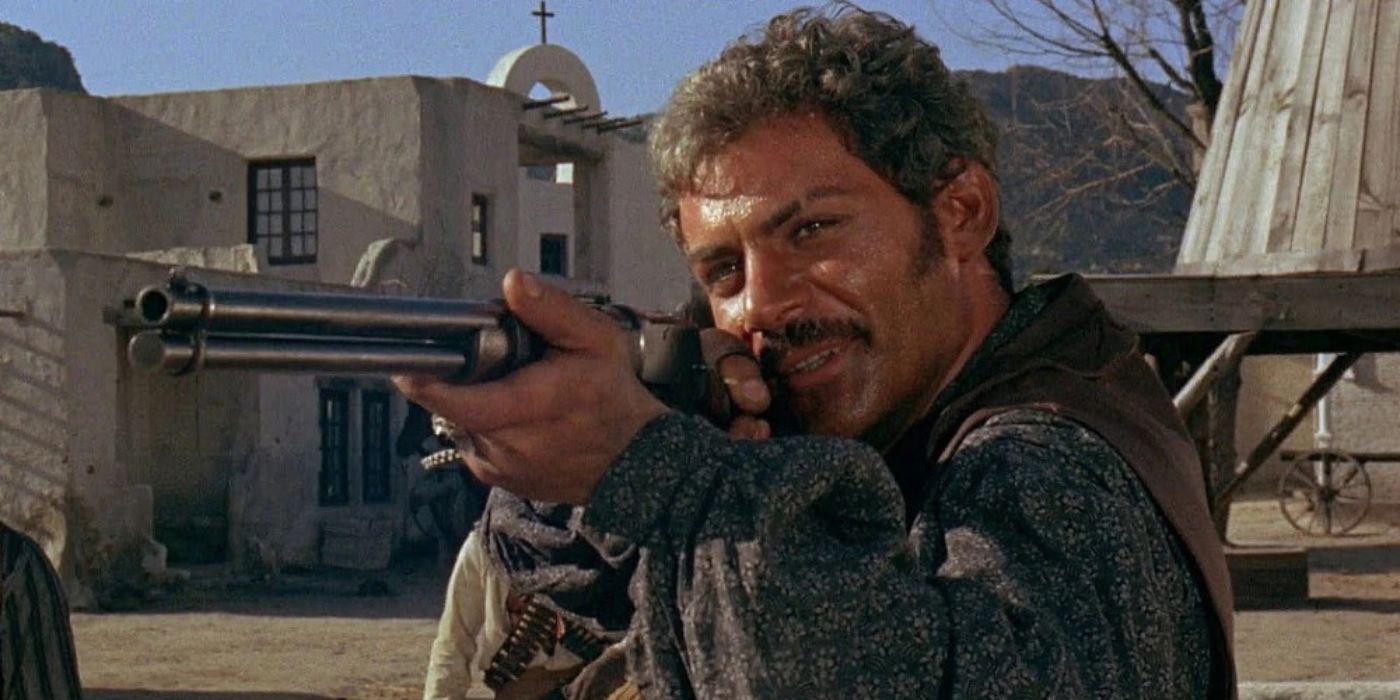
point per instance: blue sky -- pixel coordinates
(637, 49)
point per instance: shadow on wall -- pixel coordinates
(34, 421)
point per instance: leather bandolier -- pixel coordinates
(539, 629)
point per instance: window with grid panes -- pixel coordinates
(282, 210)
(335, 447)
(480, 222)
(374, 409)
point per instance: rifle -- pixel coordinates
(186, 327)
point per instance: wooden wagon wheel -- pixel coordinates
(1324, 492)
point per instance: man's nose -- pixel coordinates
(773, 292)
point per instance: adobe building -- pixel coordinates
(403, 185)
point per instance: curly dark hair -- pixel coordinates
(880, 85)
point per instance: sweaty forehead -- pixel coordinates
(737, 174)
(775, 166)
(799, 150)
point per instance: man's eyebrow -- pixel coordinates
(789, 210)
(707, 253)
(774, 220)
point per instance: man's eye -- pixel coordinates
(720, 276)
(812, 228)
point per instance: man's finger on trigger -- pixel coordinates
(745, 384)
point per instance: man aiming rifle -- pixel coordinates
(970, 493)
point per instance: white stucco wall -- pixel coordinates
(93, 457)
(470, 147)
(545, 207)
(645, 267)
(84, 145)
(181, 147)
(95, 368)
(60, 474)
(23, 170)
(98, 457)
(241, 450)
(35, 414)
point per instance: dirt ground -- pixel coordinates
(1349, 628)
(337, 636)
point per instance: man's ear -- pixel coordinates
(967, 209)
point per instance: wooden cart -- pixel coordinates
(1199, 328)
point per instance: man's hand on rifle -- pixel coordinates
(550, 429)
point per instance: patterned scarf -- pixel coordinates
(540, 549)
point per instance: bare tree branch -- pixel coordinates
(1119, 152)
(1128, 36)
(1167, 68)
(1200, 44)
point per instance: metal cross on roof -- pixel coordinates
(544, 14)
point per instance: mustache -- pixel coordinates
(800, 332)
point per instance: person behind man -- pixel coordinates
(971, 493)
(37, 658)
(506, 615)
(537, 610)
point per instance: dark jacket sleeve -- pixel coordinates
(783, 569)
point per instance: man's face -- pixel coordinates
(820, 264)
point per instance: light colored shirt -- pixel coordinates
(474, 625)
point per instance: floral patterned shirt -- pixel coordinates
(1036, 566)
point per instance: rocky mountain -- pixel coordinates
(27, 61)
(1078, 191)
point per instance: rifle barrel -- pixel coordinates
(183, 327)
(318, 314)
(178, 354)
